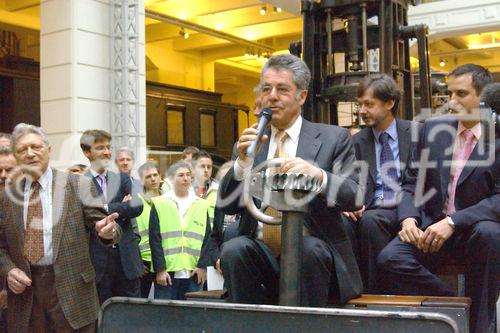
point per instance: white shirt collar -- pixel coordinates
(292, 131)
(95, 173)
(45, 180)
(476, 129)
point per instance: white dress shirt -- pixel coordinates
(242, 169)
(46, 199)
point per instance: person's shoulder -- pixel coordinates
(326, 129)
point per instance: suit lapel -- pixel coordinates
(369, 140)
(96, 183)
(479, 153)
(18, 210)
(403, 142)
(60, 194)
(263, 151)
(308, 145)
(113, 182)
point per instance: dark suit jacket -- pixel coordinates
(76, 209)
(119, 185)
(364, 146)
(330, 148)
(477, 195)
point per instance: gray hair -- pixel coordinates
(5, 151)
(22, 129)
(298, 68)
(127, 151)
(147, 166)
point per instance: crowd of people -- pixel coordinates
(397, 199)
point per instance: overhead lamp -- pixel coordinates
(442, 63)
(277, 10)
(184, 33)
(263, 10)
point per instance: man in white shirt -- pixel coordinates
(323, 151)
(178, 236)
(45, 222)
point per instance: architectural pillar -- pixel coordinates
(79, 73)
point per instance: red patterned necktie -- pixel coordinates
(33, 243)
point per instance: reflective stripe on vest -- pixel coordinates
(181, 243)
(143, 229)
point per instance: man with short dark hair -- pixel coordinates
(188, 152)
(45, 223)
(204, 185)
(150, 178)
(384, 145)
(324, 152)
(179, 234)
(118, 268)
(450, 206)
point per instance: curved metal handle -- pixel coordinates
(248, 199)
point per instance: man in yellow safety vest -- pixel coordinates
(178, 236)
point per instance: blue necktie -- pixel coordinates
(389, 165)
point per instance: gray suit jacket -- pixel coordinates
(330, 148)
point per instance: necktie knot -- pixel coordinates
(468, 135)
(384, 137)
(281, 136)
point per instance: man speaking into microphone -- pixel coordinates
(329, 269)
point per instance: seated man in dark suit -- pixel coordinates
(384, 145)
(451, 204)
(118, 268)
(250, 270)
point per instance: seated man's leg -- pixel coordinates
(251, 272)
(402, 271)
(317, 272)
(482, 254)
(376, 228)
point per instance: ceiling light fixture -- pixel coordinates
(184, 33)
(442, 63)
(263, 10)
(277, 10)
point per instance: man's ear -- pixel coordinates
(390, 104)
(302, 95)
(86, 153)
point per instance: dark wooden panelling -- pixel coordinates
(194, 102)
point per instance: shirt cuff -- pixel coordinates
(324, 182)
(242, 169)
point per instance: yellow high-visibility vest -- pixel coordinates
(181, 242)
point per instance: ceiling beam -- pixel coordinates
(192, 8)
(19, 20)
(259, 31)
(211, 32)
(17, 5)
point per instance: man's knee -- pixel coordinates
(234, 249)
(486, 234)
(315, 250)
(372, 222)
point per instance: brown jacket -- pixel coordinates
(76, 208)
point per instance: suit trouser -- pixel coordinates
(251, 272)
(408, 270)
(369, 235)
(114, 281)
(46, 313)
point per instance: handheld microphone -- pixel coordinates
(264, 119)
